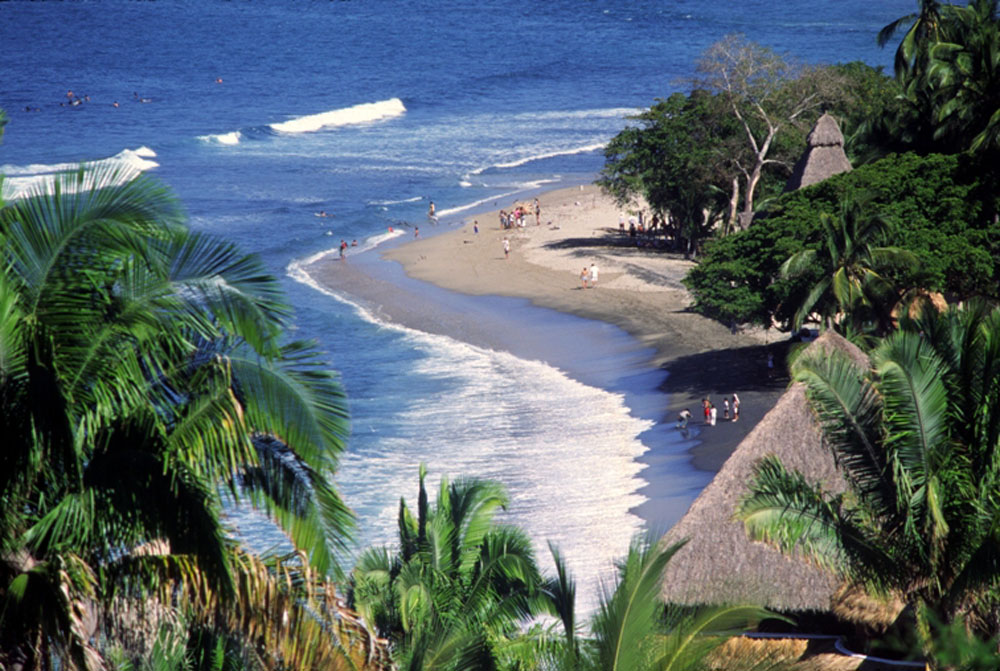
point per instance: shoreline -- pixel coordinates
(639, 292)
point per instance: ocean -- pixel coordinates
(262, 114)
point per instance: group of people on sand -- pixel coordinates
(711, 412)
(588, 276)
(518, 216)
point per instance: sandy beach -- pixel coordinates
(638, 290)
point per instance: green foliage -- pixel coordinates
(143, 378)
(676, 159)
(849, 262)
(868, 112)
(933, 206)
(916, 437)
(635, 630)
(459, 588)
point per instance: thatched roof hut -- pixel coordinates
(824, 155)
(720, 564)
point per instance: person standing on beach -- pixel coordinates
(593, 275)
(538, 213)
(725, 408)
(416, 231)
(584, 274)
(736, 407)
(506, 248)
(475, 227)
(712, 414)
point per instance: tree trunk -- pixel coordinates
(734, 200)
(747, 217)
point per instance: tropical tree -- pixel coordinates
(633, 628)
(965, 70)
(769, 96)
(460, 585)
(849, 264)
(143, 383)
(677, 157)
(917, 437)
(923, 29)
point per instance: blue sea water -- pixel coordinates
(369, 110)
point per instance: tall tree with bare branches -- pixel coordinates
(769, 95)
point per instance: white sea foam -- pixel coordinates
(537, 157)
(605, 113)
(22, 181)
(566, 452)
(357, 114)
(415, 199)
(223, 138)
(518, 188)
(296, 268)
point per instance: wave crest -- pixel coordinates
(22, 181)
(223, 138)
(357, 114)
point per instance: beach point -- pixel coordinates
(640, 290)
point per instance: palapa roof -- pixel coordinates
(824, 155)
(720, 564)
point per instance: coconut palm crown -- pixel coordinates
(144, 381)
(918, 438)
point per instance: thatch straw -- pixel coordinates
(789, 654)
(823, 158)
(853, 604)
(720, 564)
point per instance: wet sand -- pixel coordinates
(638, 290)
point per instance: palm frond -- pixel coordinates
(295, 399)
(303, 503)
(215, 277)
(849, 410)
(560, 594)
(625, 626)
(695, 637)
(782, 509)
(916, 417)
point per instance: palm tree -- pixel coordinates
(917, 438)
(850, 264)
(924, 29)
(143, 382)
(460, 585)
(965, 67)
(633, 628)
